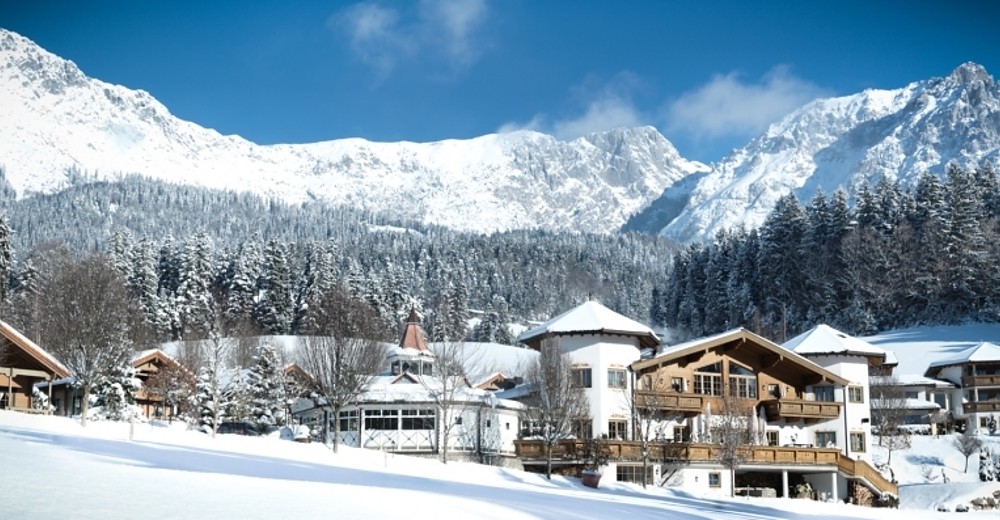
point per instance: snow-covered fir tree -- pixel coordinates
(987, 465)
(238, 396)
(267, 396)
(115, 393)
(208, 402)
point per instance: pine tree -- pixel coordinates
(238, 397)
(6, 258)
(276, 307)
(116, 391)
(267, 400)
(208, 400)
(194, 293)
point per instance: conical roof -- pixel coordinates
(591, 318)
(413, 333)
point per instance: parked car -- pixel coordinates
(239, 428)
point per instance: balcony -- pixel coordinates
(688, 404)
(567, 454)
(981, 406)
(993, 380)
(795, 409)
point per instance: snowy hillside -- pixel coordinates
(53, 119)
(251, 477)
(836, 142)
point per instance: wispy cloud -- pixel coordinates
(600, 106)
(728, 106)
(443, 32)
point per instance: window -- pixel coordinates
(856, 394)
(381, 419)
(708, 379)
(772, 437)
(823, 393)
(677, 384)
(617, 429)
(714, 479)
(858, 442)
(826, 439)
(581, 377)
(682, 434)
(774, 391)
(349, 421)
(634, 474)
(418, 419)
(582, 428)
(742, 382)
(616, 378)
(941, 400)
(913, 395)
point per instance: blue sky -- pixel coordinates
(709, 75)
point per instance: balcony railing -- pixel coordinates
(981, 406)
(689, 404)
(570, 453)
(801, 409)
(993, 380)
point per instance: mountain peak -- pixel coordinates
(969, 73)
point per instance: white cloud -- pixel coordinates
(441, 31)
(604, 107)
(454, 23)
(727, 106)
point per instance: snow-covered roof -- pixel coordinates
(591, 318)
(919, 380)
(824, 339)
(915, 404)
(32, 349)
(983, 352)
(737, 335)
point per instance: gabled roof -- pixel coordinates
(146, 356)
(826, 340)
(591, 318)
(699, 345)
(413, 334)
(33, 350)
(981, 353)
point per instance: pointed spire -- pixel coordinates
(413, 333)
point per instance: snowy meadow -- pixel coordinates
(166, 471)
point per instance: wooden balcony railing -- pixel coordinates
(981, 406)
(568, 452)
(801, 409)
(689, 404)
(862, 470)
(629, 451)
(968, 381)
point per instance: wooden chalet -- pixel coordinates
(22, 364)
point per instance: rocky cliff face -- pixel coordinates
(57, 127)
(843, 141)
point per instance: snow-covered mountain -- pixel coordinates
(54, 119)
(841, 141)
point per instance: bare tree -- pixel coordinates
(88, 321)
(967, 443)
(888, 407)
(557, 403)
(454, 364)
(342, 362)
(731, 430)
(173, 384)
(650, 417)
